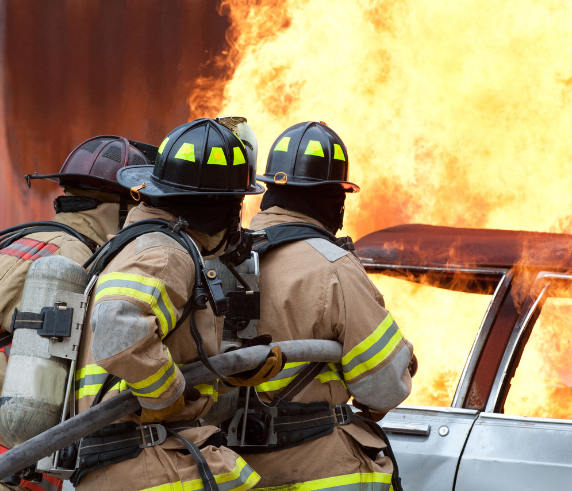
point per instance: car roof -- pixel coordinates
(451, 247)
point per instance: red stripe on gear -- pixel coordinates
(29, 249)
(3, 449)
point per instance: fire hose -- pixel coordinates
(125, 403)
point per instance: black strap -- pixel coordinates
(388, 451)
(301, 381)
(123, 210)
(110, 381)
(29, 228)
(282, 234)
(5, 339)
(209, 482)
(26, 320)
(70, 204)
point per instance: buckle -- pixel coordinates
(161, 435)
(343, 414)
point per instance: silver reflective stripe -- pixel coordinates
(43, 253)
(330, 251)
(290, 372)
(27, 249)
(96, 379)
(158, 384)
(148, 289)
(372, 350)
(245, 473)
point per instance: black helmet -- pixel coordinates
(309, 154)
(197, 158)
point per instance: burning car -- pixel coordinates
(490, 315)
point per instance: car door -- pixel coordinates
(447, 328)
(523, 440)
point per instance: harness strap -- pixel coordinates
(309, 373)
(123, 210)
(124, 441)
(5, 339)
(209, 482)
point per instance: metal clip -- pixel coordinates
(161, 435)
(135, 189)
(344, 416)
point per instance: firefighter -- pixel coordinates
(314, 289)
(201, 176)
(94, 205)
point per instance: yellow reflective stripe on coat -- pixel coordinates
(158, 383)
(89, 379)
(373, 350)
(360, 481)
(149, 290)
(331, 372)
(241, 478)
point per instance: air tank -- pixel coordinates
(33, 394)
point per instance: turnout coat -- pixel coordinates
(315, 290)
(15, 261)
(138, 300)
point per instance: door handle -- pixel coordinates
(407, 429)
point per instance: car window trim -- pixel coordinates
(480, 339)
(539, 288)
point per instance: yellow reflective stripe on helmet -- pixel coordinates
(241, 478)
(373, 350)
(217, 156)
(238, 157)
(331, 372)
(156, 384)
(149, 290)
(339, 153)
(314, 148)
(162, 147)
(186, 152)
(282, 145)
(360, 481)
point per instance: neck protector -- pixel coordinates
(325, 204)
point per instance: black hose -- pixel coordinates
(22, 226)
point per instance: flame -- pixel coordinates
(454, 113)
(442, 325)
(542, 385)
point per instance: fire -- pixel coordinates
(454, 113)
(542, 385)
(442, 325)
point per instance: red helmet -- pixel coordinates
(94, 164)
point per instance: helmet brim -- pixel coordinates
(348, 187)
(67, 179)
(136, 175)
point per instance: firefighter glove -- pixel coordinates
(368, 413)
(413, 366)
(264, 372)
(158, 415)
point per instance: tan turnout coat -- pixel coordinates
(138, 299)
(15, 261)
(314, 290)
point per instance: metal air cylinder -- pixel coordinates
(34, 389)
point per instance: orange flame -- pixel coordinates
(454, 112)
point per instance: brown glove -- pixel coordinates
(158, 415)
(267, 370)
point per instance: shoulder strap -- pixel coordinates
(278, 235)
(12, 234)
(114, 246)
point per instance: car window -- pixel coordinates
(442, 325)
(542, 383)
